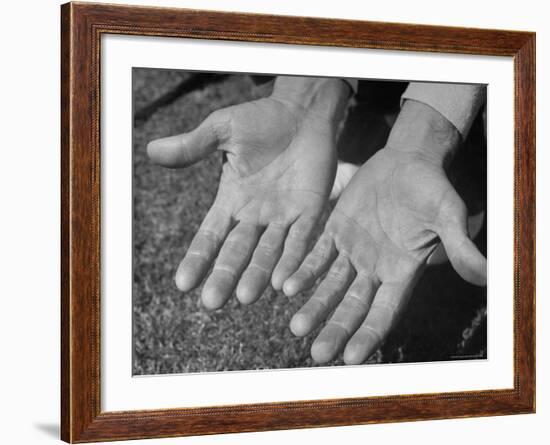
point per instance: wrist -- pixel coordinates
(325, 98)
(422, 131)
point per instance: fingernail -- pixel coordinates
(290, 288)
(183, 282)
(212, 298)
(245, 295)
(322, 351)
(355, 354)
(276, 282)
(299, 325)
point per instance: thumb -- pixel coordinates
(465, 257)
(463, 254)
(185, 149)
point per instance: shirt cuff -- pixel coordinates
(353, 84)
(458, 103)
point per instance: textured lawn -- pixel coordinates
(174, 334)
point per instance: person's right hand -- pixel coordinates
(390, 218)
(279, 172)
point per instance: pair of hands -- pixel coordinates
(281, 164)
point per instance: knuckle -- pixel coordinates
(337, 275)
(320, 302)
(341, 325)
(353, 301)
(258, 267)
(297, 236)
(386, 305)
(221, 124)
(268, 248)
(196, 255)
(208, 235)
(305, 274)
(226, 268)
(376, 334)
(235, 247)
(290, 258)
(321, 253)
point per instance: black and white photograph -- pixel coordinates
(275, 222)
(291, 222)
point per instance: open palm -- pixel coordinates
(273, 188)
(392, 215)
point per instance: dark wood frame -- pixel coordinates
(82, 25)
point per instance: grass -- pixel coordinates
(445, 319)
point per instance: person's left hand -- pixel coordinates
(389, 219)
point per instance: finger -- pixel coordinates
(315, 264)
(475, 224)
(232, 260)
(203, 249)
(295, 250)
(466, 259)
(325, 299)
(346, 319)
(185, 149)
(256, 277)
(388, 304)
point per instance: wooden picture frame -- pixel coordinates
(82, 26)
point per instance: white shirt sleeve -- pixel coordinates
(458, 103)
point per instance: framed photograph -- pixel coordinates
(274, 222)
